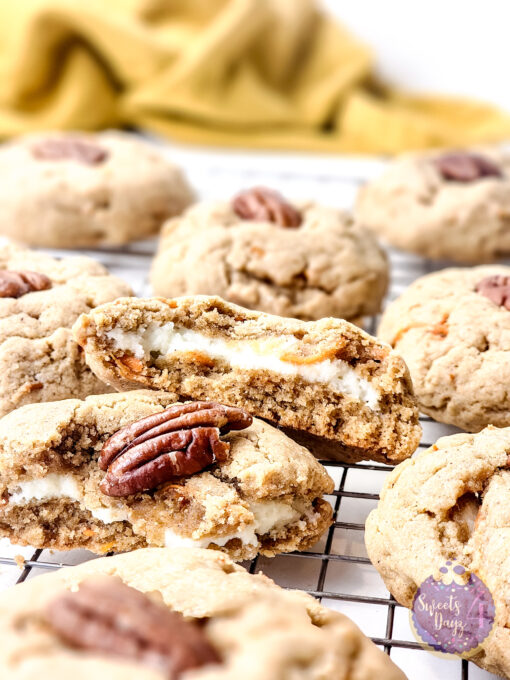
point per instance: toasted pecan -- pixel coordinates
(69, 148)
(466, 167)
(108, 617)
(266, 205)
(14, 284)
(177, 442)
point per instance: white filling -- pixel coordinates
(268, 515)
(173, 540)
(55, 485)
(51, 486)
(258, 355)
(109, 515)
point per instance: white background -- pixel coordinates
(447, 46)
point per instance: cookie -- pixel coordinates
(40, 299)
(453, 206)
(322, 264)
(74, 190)
(125, 471)
(453, 330)
(334, 387)
(189, 611)
(450, 502)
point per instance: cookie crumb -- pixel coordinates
(20, 561)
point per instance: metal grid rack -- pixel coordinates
(337, 570)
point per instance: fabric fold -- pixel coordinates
(255, 73)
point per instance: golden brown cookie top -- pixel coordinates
(450, 502)
(292, 259)
(70, 287)
(40, 299)
(442, 205)
(72, 189)
(242, 617)
(452, 328)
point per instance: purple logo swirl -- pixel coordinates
(454, 614)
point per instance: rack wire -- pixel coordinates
(337, 570)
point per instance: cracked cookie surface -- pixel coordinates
(413, 207)
(58, 201)
(265, 496)
(327, 266)
(456, 343)
(336, 389)
(450, 502)
(39, 360)
(260, 631)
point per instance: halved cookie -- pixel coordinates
(157, 614)
(200, 475)
(336, 388)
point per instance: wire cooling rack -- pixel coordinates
(337, 569)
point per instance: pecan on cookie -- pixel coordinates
(329, 266)
(107, 616)
(40, 299)
(259, 630)
(81, 187)
(14, 284)
(267, 205)
(451, 206)
(265, 497)
(69, 148)
(496, 288)
(466, 167)
(178, 442)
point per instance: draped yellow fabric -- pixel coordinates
(252, 73)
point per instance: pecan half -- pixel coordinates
(178, 442)
(69, 148)
(466, 167)
(14, 284)
(109, 617)
(496, 288)
(266, 205)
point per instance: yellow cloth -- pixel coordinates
(252, 73)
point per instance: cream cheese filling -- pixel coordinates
(57, 485)
(246, 354)
(268, 515)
